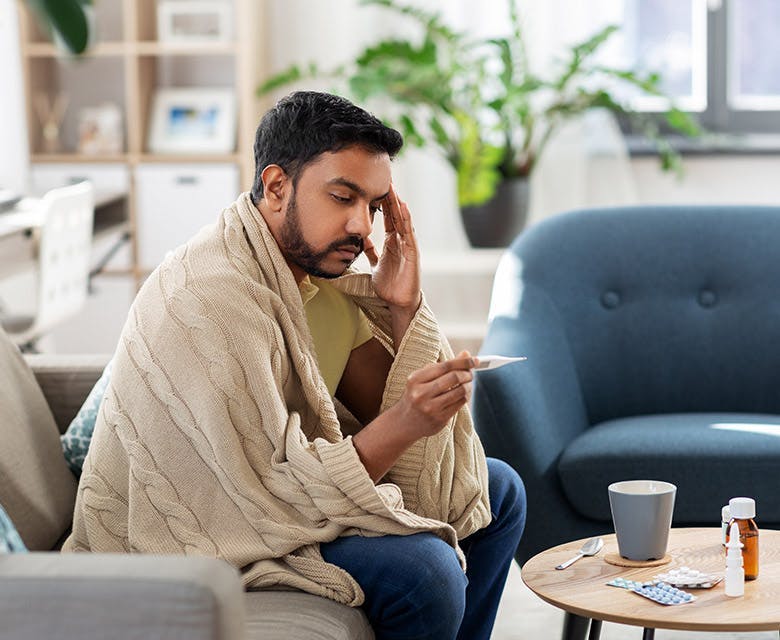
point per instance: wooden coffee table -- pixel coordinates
(582, 592)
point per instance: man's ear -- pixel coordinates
(275, 185)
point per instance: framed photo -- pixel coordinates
(100, 130)
(188, 21)
(195, 120)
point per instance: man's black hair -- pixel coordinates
(305, 124)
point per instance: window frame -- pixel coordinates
(719, 117)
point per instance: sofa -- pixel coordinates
(45, 594)
(653, 342)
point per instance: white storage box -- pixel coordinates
(175, 200)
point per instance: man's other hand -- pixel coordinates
(396, 273)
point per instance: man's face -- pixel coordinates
(331, 211)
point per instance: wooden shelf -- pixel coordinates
(153, 48)
(77, 158)
(99, 50)
(184, 158)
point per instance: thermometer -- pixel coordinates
(491, 362)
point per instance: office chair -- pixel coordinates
(64, 249)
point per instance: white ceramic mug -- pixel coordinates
(642, 515)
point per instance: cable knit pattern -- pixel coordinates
(218, 437)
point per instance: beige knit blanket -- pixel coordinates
(218, 437)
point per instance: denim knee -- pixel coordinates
(426, 584)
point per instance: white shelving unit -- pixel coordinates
(125, 66)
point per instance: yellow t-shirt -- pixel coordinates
(337, 326)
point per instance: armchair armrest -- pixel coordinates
(527, 413)
(66, 380)
(97, 596)
(532, 409)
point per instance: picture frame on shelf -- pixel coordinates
(100, 130)
(193, 120)
(190, 21)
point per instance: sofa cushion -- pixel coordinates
(36, 487)
(75, 441)
(10, 541)
(292, 615)
(701, 453)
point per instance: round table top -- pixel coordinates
(581, 589)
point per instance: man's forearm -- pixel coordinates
(400, 319)
(382, 441)
(433, 395)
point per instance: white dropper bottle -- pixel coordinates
(735, 574)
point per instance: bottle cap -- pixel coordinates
(725, 514)
(742, 508)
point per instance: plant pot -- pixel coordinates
(498, 221)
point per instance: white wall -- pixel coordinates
(726, 179)
(14, 158)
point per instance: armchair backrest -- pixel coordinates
(664, 308)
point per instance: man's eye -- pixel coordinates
(341, 198)
(375, 207)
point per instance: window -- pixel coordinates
(719, 59)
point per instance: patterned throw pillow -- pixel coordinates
(10, 541)
(75, 441)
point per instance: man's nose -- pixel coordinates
(360, 222)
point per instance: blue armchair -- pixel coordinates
(653, 344)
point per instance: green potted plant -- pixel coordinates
(67, 18)
(480, 104)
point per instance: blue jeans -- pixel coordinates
(414, 586)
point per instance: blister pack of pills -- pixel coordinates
(687, 578)
(629, 584)
(666, 594)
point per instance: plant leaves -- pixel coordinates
(67, 18)
(281, 79)
(682, 122)
(477, 164)
(410, 132)
(439, 132)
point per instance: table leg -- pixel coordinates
(574, 627)
(595, 630)
(648, 634)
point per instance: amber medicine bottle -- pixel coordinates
(743, 510)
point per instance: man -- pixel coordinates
(219, 432)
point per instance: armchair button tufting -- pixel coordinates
(610, 299)
(707, 298)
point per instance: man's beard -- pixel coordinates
(296, 250)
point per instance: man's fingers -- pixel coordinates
(370, 250)
(452, 380)
(455, 398)
(404, 221)
(434, 371)
(389, 207)
(448, 403)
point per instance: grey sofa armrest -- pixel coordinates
(97, 596)
(66, 380)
